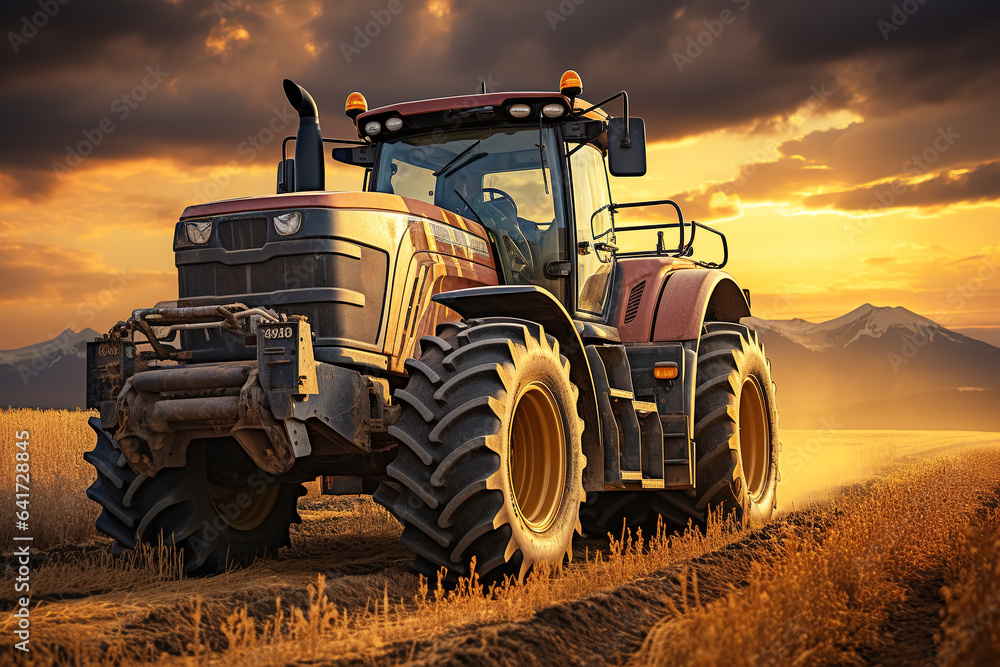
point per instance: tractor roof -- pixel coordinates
(499, 101)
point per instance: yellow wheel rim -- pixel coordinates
(243, 507)
(536, 463)
(754, 436)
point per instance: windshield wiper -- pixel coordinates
(456, 158)
(541, 154)
(477, 156)
(469, 206)
(482, 112)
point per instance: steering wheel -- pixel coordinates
(498, 195)
(508, 222)
(514, 241)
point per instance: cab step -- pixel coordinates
(644, 423)
(644, 407)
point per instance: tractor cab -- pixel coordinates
(531, 167)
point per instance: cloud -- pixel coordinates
(850, 167)
(52, 288)
(67, 277)
(226, 59)
(988, 255)
(703, 204)
(903, 53)
(981, 182)
(914, 142)
(779, 180)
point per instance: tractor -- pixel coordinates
(463, 339)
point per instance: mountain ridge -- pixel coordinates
(865, 320)
(880, 365)
(49, 374)
(873, 367)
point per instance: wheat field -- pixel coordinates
(874, 544)
(896, 565)
(59, 512)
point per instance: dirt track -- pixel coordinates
(353, 544)
(816, 464)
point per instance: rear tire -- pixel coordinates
(736, 433)
(216, 526)
(490, 464)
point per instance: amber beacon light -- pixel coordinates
(356, 105)
(570, 84)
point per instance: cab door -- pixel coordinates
(593, 221)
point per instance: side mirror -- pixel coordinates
(286, 175)
(359, 156)
(627, 155)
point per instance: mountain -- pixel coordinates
(50, 374)
(866, 320)
(875, 367)
(881, 367)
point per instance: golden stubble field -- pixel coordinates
(885, 550)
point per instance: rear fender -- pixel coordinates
(692, 297)
(530, 302)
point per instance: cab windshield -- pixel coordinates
(502, 177)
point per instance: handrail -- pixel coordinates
(653, 202)
(685, 247)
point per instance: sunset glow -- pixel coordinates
(832, 193)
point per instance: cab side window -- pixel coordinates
(409, 180)
(590, 195)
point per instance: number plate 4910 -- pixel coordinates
(274, 333)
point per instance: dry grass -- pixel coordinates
(98, 571)
(344, 592)
(322, 629)
(971, 628)
(373, 603)
(354, 616)
(827, 600)
(59, 511)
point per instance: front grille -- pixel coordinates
(243, 234)
(334, 319)
(634, 297)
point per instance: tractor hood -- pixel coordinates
(372, 201)
(348, 261)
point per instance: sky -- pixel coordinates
(849, 150)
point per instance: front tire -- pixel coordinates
(490, 464)
(217, 523)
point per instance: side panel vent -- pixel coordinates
(634, 297)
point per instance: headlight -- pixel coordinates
(553, 110)
(373, 127)
(199, 232)
(519, 110)
(287, 223)
(393, 124)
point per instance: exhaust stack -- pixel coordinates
(310, 169)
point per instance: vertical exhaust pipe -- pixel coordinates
(310, 168)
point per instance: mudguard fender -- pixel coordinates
(692, 297)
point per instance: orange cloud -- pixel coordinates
(53, 288)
